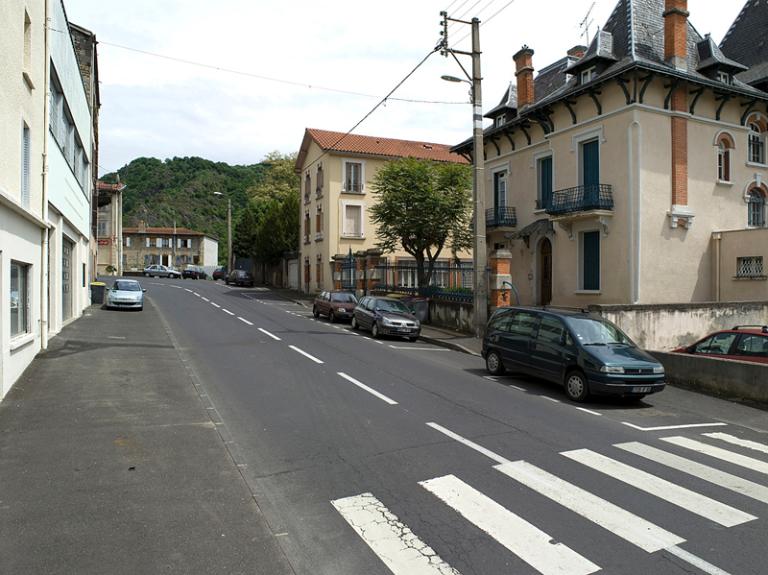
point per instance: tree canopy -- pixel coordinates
(423, 207)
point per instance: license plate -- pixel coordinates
(641, 390)
(404, 329)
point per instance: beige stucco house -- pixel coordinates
(176, 247)
(336, 170)
(109, 228)
(610, 170)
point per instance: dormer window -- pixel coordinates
(499, 121)
(724, 77)
(588, 75)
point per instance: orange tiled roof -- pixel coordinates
(387, 147)
(162, 231)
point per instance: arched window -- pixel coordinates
(756, 153)
(756, 209)
(724, 147)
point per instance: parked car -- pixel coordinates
(745, 343)
(386, 316)
(335, 304)
(194, 272)
(240, 278)
(585, 354)
(125, 294)
(220, 273)
(161, 271)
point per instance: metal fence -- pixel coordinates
(450, 281)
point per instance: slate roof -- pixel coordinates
(710, 55)
(383, 147)
(746, 41)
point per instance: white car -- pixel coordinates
(125, 294)
(161, 271)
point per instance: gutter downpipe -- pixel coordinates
(44, 271)
(634, 186)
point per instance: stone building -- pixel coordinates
(175, 247)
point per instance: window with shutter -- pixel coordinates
(545, 183)
(590, 260)
(25, 160)
(353, 218)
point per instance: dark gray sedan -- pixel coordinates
(386, 316)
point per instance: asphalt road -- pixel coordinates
(384, 456)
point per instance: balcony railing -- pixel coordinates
(501, 217)
(581, 199)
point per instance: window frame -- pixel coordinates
(23, 297)
(350, 162)
(581, 287)
(500, 175)
(344, 232)
(538, 161)
(758, 212)
(756, 141)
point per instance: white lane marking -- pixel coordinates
(273, 336)
(214, 304)
(704, 472)
(115, 337)
(176, 287)
(690, 500)
(737, 441)
(717, 453)
(518, 388)
(390, 539)
(410, 348)
(522, 538)
(368, 338)
(242, 319)
(471, 444)
(305, 354)
(618, 521)
(490, 378)
(697, 562)
(205, 299)
(585, 410)
(225, 310)
(370, 390)
(552, 399)
(194, 293)
(189, 290)
(670, 427)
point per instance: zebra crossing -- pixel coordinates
(407, 553)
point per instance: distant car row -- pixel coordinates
(189, 272)
(379, 315)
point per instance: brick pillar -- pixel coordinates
(500, 263)
(337, 273)
(676, 33)
(680, 148)
(524, 72)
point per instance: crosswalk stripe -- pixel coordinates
(690, 500)
(718, 453)
(704, 472)
(522, 538)
(618, 521)
(740, 442)
(393, 541)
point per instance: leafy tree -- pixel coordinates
(424, 207)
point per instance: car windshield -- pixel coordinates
(343, 298)
(390, 305)
(589, 331)
(126, 286)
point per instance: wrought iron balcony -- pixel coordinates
(581, 199)
(501, 217)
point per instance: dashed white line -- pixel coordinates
(406, 347)
(205, 299)
(214, 304)
(471, 444)
(370, 390)
(552, 399)
(265, 332)
(225, 310)
(305, 354)
(194, 293)
(242, 319)
(517, 387)
(188, 290)
(668, 427)
(585, 410)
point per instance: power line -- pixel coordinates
(491, 17)
(268, 78)
(468, 10)
(376, 107)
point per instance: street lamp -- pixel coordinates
(230, 259)
(479, 253)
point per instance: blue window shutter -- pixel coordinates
(545, 175)
(591, 173)
(591, 260)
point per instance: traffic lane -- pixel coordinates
(373, 473)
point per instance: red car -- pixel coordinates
(745, 343)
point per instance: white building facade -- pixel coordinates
(46, 142)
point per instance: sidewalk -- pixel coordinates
(110, 463)
(455, 340)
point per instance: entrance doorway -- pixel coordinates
(545, 272)
(67, 248)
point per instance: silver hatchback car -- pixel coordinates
(125, 294)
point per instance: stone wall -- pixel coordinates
(451, 315)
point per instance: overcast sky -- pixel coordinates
(158, 107)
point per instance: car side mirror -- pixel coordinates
(144, 290)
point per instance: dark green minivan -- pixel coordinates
(585, 354)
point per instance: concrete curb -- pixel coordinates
(449, 345)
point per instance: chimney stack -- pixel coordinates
(676, 33)
(524, 65)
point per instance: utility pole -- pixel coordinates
(230, 259)
(480, 253)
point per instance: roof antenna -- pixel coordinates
(586, 23)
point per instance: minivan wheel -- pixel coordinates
(493, 363)
(576, 386)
